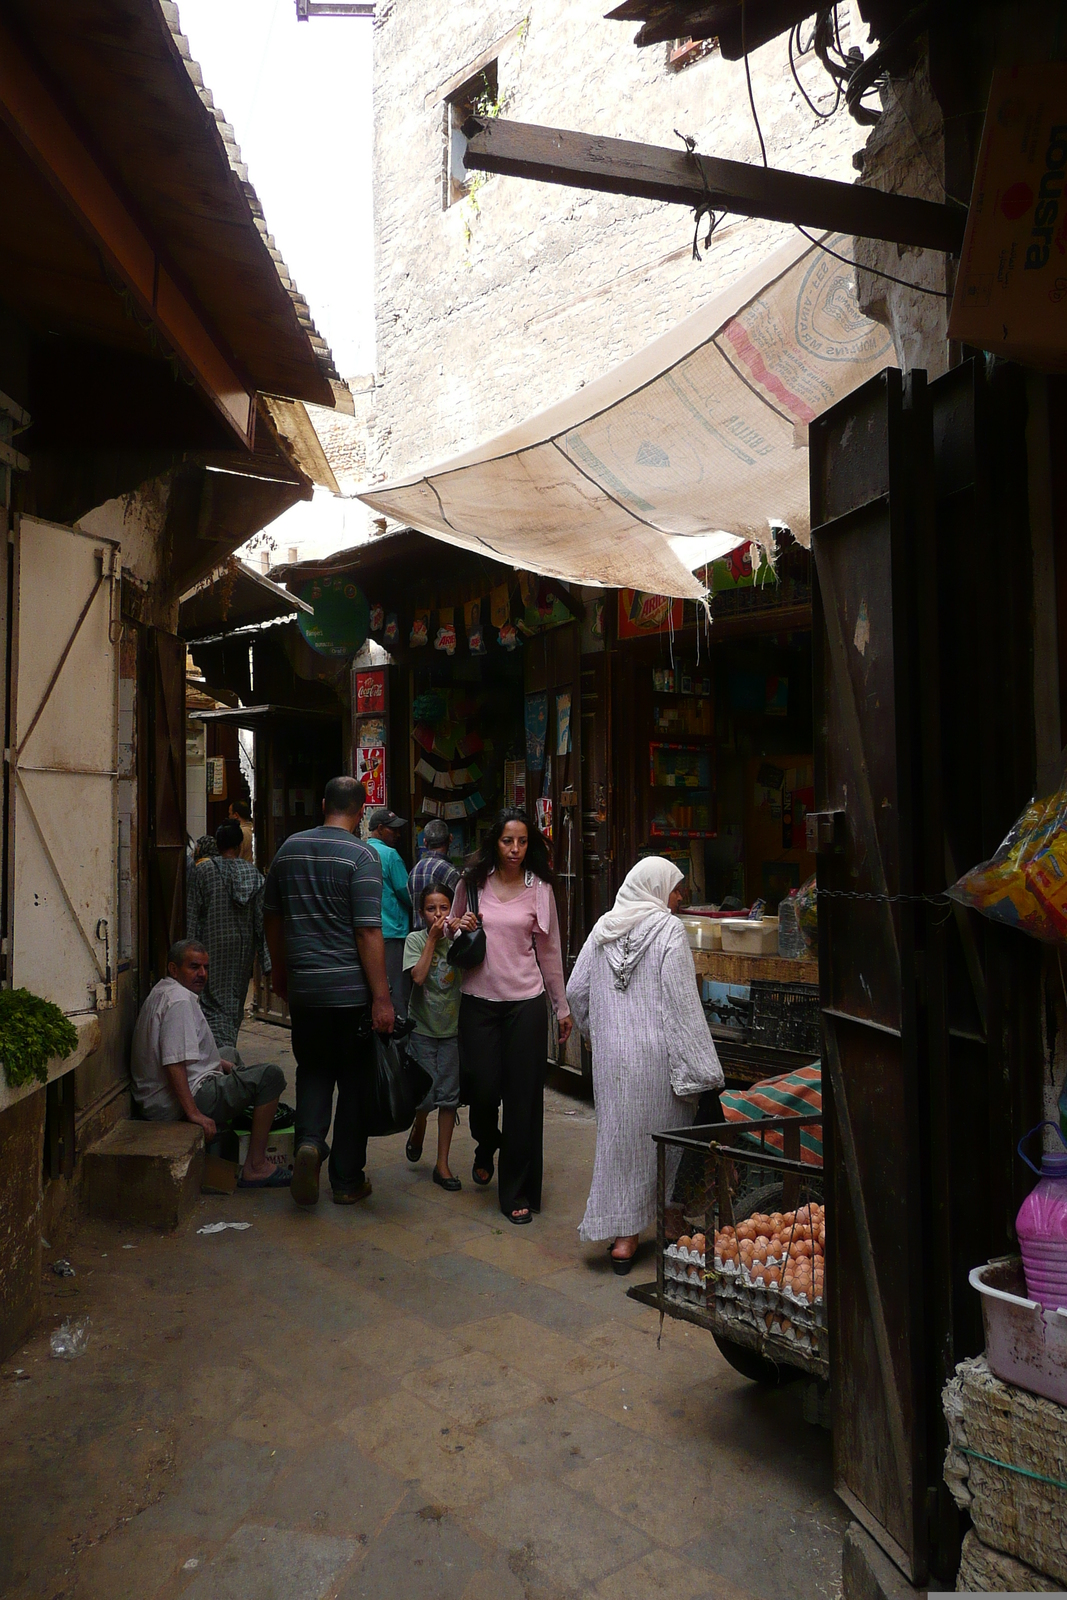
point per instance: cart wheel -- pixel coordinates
(760, 1369)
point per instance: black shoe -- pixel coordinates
(622, 1266)
(453, 1185)
(413, 1151)
(482, 1166)
(304, 1186)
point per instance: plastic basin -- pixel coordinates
(1025, 1345)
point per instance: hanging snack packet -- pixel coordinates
(1033, 857)
(808, 913)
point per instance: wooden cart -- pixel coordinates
(746, 1322)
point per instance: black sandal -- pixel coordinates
(516, 1216)
(483, 1183)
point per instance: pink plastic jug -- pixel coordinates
(1042, 1226)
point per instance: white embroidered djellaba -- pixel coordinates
(644, 1034)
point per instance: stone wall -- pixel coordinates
(511, 299)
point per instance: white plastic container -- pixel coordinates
(703, 933)
(1023, 1344)
(740, 937)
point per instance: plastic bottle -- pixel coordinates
(790, 940)
(1042, 1226)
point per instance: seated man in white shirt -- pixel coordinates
(178, 1073)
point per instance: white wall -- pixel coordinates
(496, 307)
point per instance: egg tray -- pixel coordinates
(685, 1293)
(732, 1301)
(804, 1335)
(732, 1284)
(736, 1281)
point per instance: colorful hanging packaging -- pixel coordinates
(808, 912)
(446, 631)
(499, 605)
(420, 630)
(377, 618)
(472, 621)
(507, 638)
(392, 629)
(1024, 884)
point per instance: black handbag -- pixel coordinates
(467, 950)
(397, 1086)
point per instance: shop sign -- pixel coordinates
(740, 568)
(1011, 288)
(370, 693)
(642, 614)
(370, 772)
(341, 620)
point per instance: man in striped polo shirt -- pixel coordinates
(323, 921)
(433, 866)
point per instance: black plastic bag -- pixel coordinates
(284, 1118)
(397, 1087)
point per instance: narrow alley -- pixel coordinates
(405, 1398)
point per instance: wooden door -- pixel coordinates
(863, 669)
(597, 789)
(63, 765)
(164, 683)
(924, 757)
(553, 668)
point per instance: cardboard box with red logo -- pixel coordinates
(1011, 291)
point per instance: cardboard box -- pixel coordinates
(279, 1147)
(1011, 292)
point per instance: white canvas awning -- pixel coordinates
(703, 432)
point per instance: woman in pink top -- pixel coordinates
(503, 1016)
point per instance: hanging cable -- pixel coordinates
(920, 288)
(801, 53)
(705, 208)
(905, 283)
(748, 80)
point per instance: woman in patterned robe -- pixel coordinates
(633, 993)
(225, 913)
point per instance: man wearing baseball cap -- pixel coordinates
(433, 866)
(384, 829)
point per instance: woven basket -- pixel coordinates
(985, 1571)
(1017, 1515)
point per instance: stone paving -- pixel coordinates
(406, 1398)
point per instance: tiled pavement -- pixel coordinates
(406, 1398)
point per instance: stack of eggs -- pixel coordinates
(783, 1250)
(694, 1254)
(683, 1268)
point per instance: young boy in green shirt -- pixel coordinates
(434, 1009)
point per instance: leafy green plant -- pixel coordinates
(32, 1031)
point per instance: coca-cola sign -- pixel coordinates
(370, 692)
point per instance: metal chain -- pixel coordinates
(882, 899)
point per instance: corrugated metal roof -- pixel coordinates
(322, 350)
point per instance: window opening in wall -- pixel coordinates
(683, 52)
(479, 96)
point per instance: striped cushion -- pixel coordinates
(796, 1094)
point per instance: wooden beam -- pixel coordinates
(39, 123)
(617, 166)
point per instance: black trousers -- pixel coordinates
(333, 1049)
(503, 1048)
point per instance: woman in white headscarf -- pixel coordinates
(633, 993)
